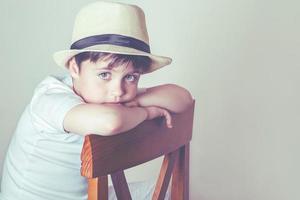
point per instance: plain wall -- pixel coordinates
(239, 59)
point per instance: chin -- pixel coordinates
(93, 101)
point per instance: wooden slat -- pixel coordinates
(145, 142)
(98, 188)
(180, 178)
(86, 158)
(120, 185)
(164, 176)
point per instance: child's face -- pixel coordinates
(95, 83)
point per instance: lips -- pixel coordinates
(114, 102)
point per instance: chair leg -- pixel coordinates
(98, 188)
(165, 176)
(180, 178)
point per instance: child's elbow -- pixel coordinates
(187, 100)
(184, 96)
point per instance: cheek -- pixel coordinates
(94, 93)
(132, 92)
(94, 97)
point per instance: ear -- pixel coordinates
(73, 68)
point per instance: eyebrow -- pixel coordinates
(104, 68)
(110, 69)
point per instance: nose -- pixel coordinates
(117, 91)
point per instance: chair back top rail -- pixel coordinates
(102, 155)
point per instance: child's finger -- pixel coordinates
(168, 119)
(130, 104)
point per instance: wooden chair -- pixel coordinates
(104, 155)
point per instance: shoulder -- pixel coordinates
(51, 100)
(54, 91)
(55, 80)
(55, 84)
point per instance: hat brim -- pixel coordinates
(62, 57)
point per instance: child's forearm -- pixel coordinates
(169, 96)
(101, 119)
(128, 118)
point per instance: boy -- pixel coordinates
(99, 95)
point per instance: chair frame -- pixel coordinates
(111, 155)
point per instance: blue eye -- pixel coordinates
(104, 75)
(131, 78)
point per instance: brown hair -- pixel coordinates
(140, 63)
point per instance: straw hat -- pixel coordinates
(111, 27)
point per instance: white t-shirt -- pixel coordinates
(43, 161)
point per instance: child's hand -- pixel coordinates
(132, 103)
(154, 112)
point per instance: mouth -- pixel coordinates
(113, 102)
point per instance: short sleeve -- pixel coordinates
(51, 101)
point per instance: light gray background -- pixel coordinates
(240, 60)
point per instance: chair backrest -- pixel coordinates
(104, 155)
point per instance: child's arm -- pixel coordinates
(109, 119)
(169, 96)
